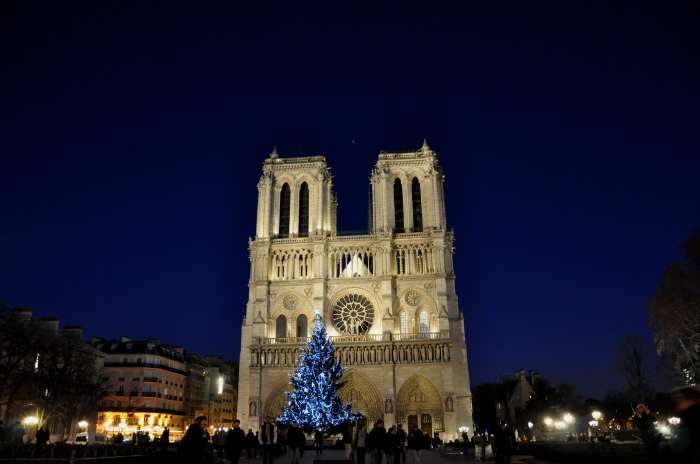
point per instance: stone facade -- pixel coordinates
(387, 297)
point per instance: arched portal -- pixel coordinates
(419, 403)
(276, 401)
(362, 395)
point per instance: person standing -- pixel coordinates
(267, 436)
(296, 441)
(194, 445)
(503, 443)
(390, 444)
(377, 439)
(415, 443)
(318, 442)
(347, 442)
(361, 442)
(235, 441)
(164, 440)
(401, 440)
(250, 442)
(644, 422)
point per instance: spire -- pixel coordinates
(425, 146)
(274, 154)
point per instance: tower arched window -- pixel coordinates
(417, 211)
(281, 327)
(285, 197)
(398, 207)
(304, 210)
(302, 324)
(423, 323)
(403, 322)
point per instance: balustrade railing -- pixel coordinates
(340, 339)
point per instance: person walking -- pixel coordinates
(347, 442)
(267, 437)
(195, 443)
(377, 439)
(360, 443)
(685, 447)
(415, 443)
(235, 441)
(318, 442)
(296, 441)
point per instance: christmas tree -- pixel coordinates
(314, 401)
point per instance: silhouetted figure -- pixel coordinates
(195, 443)
(685, 447)
(235, 441)
(267, 436)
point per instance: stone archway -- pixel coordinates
(419, 402)
(362, 395)
(276, 401)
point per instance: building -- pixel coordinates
(143, 384)
(211, 390)
(387, 296)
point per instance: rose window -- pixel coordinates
(353, 314)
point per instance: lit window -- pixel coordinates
(423, 323)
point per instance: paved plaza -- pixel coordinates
(427, 457)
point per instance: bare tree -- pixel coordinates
(632, 362)
(675, 313)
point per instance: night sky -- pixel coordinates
(132, 138)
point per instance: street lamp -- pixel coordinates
(568, 418)
(83, 424)
(30, 421)
(530, 425)
(548, 421)
(596, 415)
(674, 420)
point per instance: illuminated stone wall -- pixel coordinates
(387, 298)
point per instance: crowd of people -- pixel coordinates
(377, 446)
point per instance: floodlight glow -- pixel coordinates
(568, 418)
(548, 421)
(559, 425)
(30, 420)
(596, 415)
(593, 423)
(83, 424)
(530, 425)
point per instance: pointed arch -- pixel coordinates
(363, 396)
(416, 202)
(398, 206)
(281, 326)
(404, 325)
(285, 201)
(304, 210)
(420, 400)
(302, 326)
(423, 323)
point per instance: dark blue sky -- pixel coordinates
(132, 140)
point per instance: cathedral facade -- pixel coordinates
(387, 297)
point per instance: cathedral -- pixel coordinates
(387, 296)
